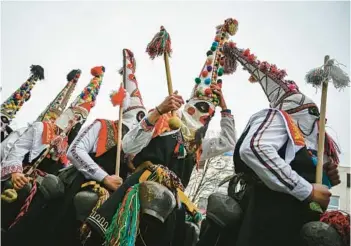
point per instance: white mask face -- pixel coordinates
(72, 115)
(132, 117)
(195, 115)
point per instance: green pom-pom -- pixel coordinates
(197, 80)
(213, 48)
(316, 207)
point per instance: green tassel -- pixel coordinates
(316, 207)
(181, 150)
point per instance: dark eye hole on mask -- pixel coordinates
(203, 107)
(140, 115)
(4, 120)
(313, 111)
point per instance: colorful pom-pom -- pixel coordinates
(215, 44)
(197, 80)
(207, 81)
(220, 71)
(209, 53)
(219, 81)
(204, 73)
(208, 91)
(217, 38)
(222, 61)
(208, 62)
(246, 52)
(213, 48)
(209, 68)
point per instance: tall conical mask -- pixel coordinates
(13, 104)
(201, 106)
(58, 105)
(79, 110)
(134, 110)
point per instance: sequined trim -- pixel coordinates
(111, 140)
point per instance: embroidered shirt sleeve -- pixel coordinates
(259, 151)
(14, 159)
(138, 137)
(226, 140)
(78, 153)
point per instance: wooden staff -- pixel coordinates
(119, 137)
(321, 138)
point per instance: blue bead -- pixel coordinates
(207, 81)
(215, 44)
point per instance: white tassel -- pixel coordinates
(339, 77)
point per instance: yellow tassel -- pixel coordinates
(9, 195)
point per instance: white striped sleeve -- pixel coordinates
(259, 150)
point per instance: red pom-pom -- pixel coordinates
(281, 74)
(246, 52)
(273, 69)
(217, 39)
(204, 73)
(232, 44)
(208, 91)
(251, 58)
(264, 66)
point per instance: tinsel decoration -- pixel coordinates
(332, 72)
(341, 223)
(230, 65)
(123, 229)
(160, 44)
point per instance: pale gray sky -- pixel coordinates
(61, 36)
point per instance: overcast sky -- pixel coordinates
(61, 36)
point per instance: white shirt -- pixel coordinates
(267, 134)
(78, 152)
(139, 137)
(30, 141)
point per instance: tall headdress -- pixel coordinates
(133, 106)
(58, 105)
(284, 95)
(79, 110)
(201, 106)
(216, 63)
(13, 104)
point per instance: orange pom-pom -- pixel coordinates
(232, 44)
(118, 96)
(97, 71)
(204, 73)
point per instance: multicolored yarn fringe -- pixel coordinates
(160, 44)
(13, 104)
(56, 107)
(216, 63)
(333, 72)
(103, 196)
(195, 218)
(125, 223)
(340, 221)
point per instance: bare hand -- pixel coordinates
(171, 103)
(216, 89)
(112, 182)
(332, 173)
(321, 195)
(19, 180)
